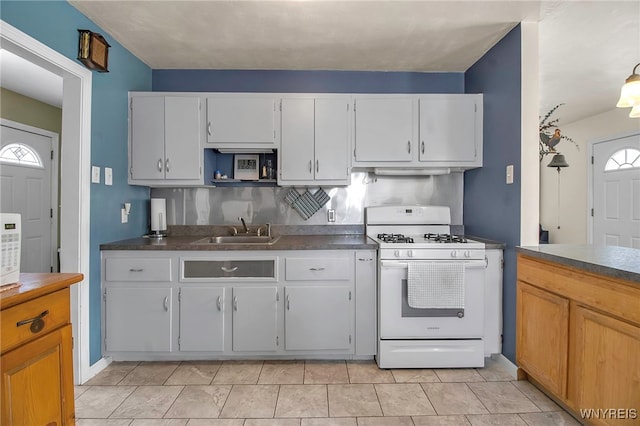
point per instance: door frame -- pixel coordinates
(590, 176)
(55, 147)
(75, 165)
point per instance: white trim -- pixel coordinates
(74, 174)
(503, 361)
(55, 147)
(590, 165)
(529, 164)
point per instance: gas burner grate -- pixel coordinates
(445, 238)
(394, 238)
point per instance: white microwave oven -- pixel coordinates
(11, 235)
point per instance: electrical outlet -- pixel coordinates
(95, 174)
(108, 176)
(509, 174)
(331, 215)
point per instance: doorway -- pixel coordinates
(616, 192)
(29, 186)
(75, 165)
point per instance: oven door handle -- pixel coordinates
(468, 264)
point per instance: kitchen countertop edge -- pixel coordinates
(610, 261)
(285, 242)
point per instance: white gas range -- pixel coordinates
(430, 289)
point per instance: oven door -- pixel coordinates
(398, 321)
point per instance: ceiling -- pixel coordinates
(587, 48)
(21, 76)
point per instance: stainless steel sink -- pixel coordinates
(238, 239)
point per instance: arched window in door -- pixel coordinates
(17, 153)
(626, 158)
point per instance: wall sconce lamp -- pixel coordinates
(630, 94)
(93, 51)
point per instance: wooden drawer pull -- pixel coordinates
(37, 324)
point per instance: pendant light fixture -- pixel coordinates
(558, 162)
(630, 94)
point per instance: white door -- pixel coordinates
(147, 138)
(616, 192)
(25, 188)
(201, 319)
(182, 138)
(297, 155)
(255, 319)
(332, 139)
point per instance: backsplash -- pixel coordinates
(223, 205)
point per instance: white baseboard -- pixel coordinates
(502, 360)
(93, 370)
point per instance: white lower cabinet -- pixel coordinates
(180, 306)
(255, 319)
(138, 319)
(318, 317)
(202, 319)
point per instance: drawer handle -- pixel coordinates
(136, 270)
(225, 269)
(316, 269)
(37, 323)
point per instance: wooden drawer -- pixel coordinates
(137, 269)
(53, 309)
(319, 269)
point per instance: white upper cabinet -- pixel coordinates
(451, 130)
(384, 129)
(418, 131)
(314, 141)
(241, 122)
(165, 143)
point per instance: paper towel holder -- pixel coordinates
(158, 218)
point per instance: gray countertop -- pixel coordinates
(612, 261)
(285, 242)
(488, 244)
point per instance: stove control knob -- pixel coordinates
(454, 254)
(467, 254)
(396, 253)
(410, 253)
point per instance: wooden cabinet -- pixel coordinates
(37, 360)
(450, 130)
(418, 132)
(542, 337)
(165, 142)
(384, 130)
(241, 122)
(314, 141)
(578, 337)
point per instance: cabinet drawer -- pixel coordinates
(212, 269)
(46, 313)
(122, 269)
(321, 269)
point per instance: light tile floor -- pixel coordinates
(311, 393)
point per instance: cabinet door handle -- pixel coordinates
(37, 323)
(409, 147)
(317, 166)
(316, 269)
(225, 269)
(310, 166)
(166, 304)
(160, 164)
(288, 303)
(422, 147)
(235, 303)
(167, 165)
(219, 303)
(209, 128)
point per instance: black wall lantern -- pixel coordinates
(93, 51)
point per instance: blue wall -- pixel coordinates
(55, 24)
(306, 81)
(491, 207)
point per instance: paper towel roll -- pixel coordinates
(158, 215)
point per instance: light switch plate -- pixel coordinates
(124, 217)
(108, 176)
(509, 174)
(95, 174)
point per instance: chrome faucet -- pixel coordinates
(266, 228)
